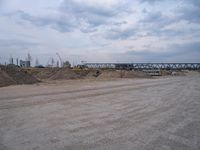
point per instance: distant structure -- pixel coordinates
(37, 62)
(17, 61)
(145, 66)
(61, 62)
(11, 60)
(25, 64)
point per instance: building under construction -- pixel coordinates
(25, 64)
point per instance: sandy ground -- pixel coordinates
(123, 114)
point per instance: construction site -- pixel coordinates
(100, 75)
(100, 106)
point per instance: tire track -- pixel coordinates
(70, 91)
(106, 91)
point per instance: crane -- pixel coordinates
(61, 62)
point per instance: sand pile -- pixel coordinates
(122, 74)
(11, 74)
(46, 73)
(173, 73)
(110, 74)
(61, 73)
(135, 74)
(5, 79)
(64, 73)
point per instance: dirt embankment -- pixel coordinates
(12, 75)
(59, 73)
(122, 74)
(65, 73)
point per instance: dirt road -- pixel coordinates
(142, 114)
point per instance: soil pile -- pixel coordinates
(172, 73)
(65, 74)
(61, 73)
(123, 74)
(5, 79)
(135, 74)
(46, 73)
(11, 74)
(110, 74)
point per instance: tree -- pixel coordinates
(67, 64)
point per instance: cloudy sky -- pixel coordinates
(101, 30)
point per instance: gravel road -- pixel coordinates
(123, 114)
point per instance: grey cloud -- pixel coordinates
(153, 24)
(156, 19)
(119, 34)
(1, 4)
(61, 23)
(191, 14)
(93, 14)
(73, 14)
(194, 2)
(151, 1)
(176, 53)
(13, 43)
(84, 8)
(88, 30)
(15, 48)
(118, 23)
(188, 10)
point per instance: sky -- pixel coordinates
(100, 31)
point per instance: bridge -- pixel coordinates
(141, 66)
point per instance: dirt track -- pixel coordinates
(122, 114)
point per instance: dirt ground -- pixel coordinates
(120, 114)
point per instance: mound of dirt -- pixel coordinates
(11, 74)
(123, 74)
(61, 73)
(172, 73)
(93, 73)
(46, 73)
(64, 74)
(135, 74)
(111, 74)
(5, 79)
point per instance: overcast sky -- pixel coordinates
(101, 30)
